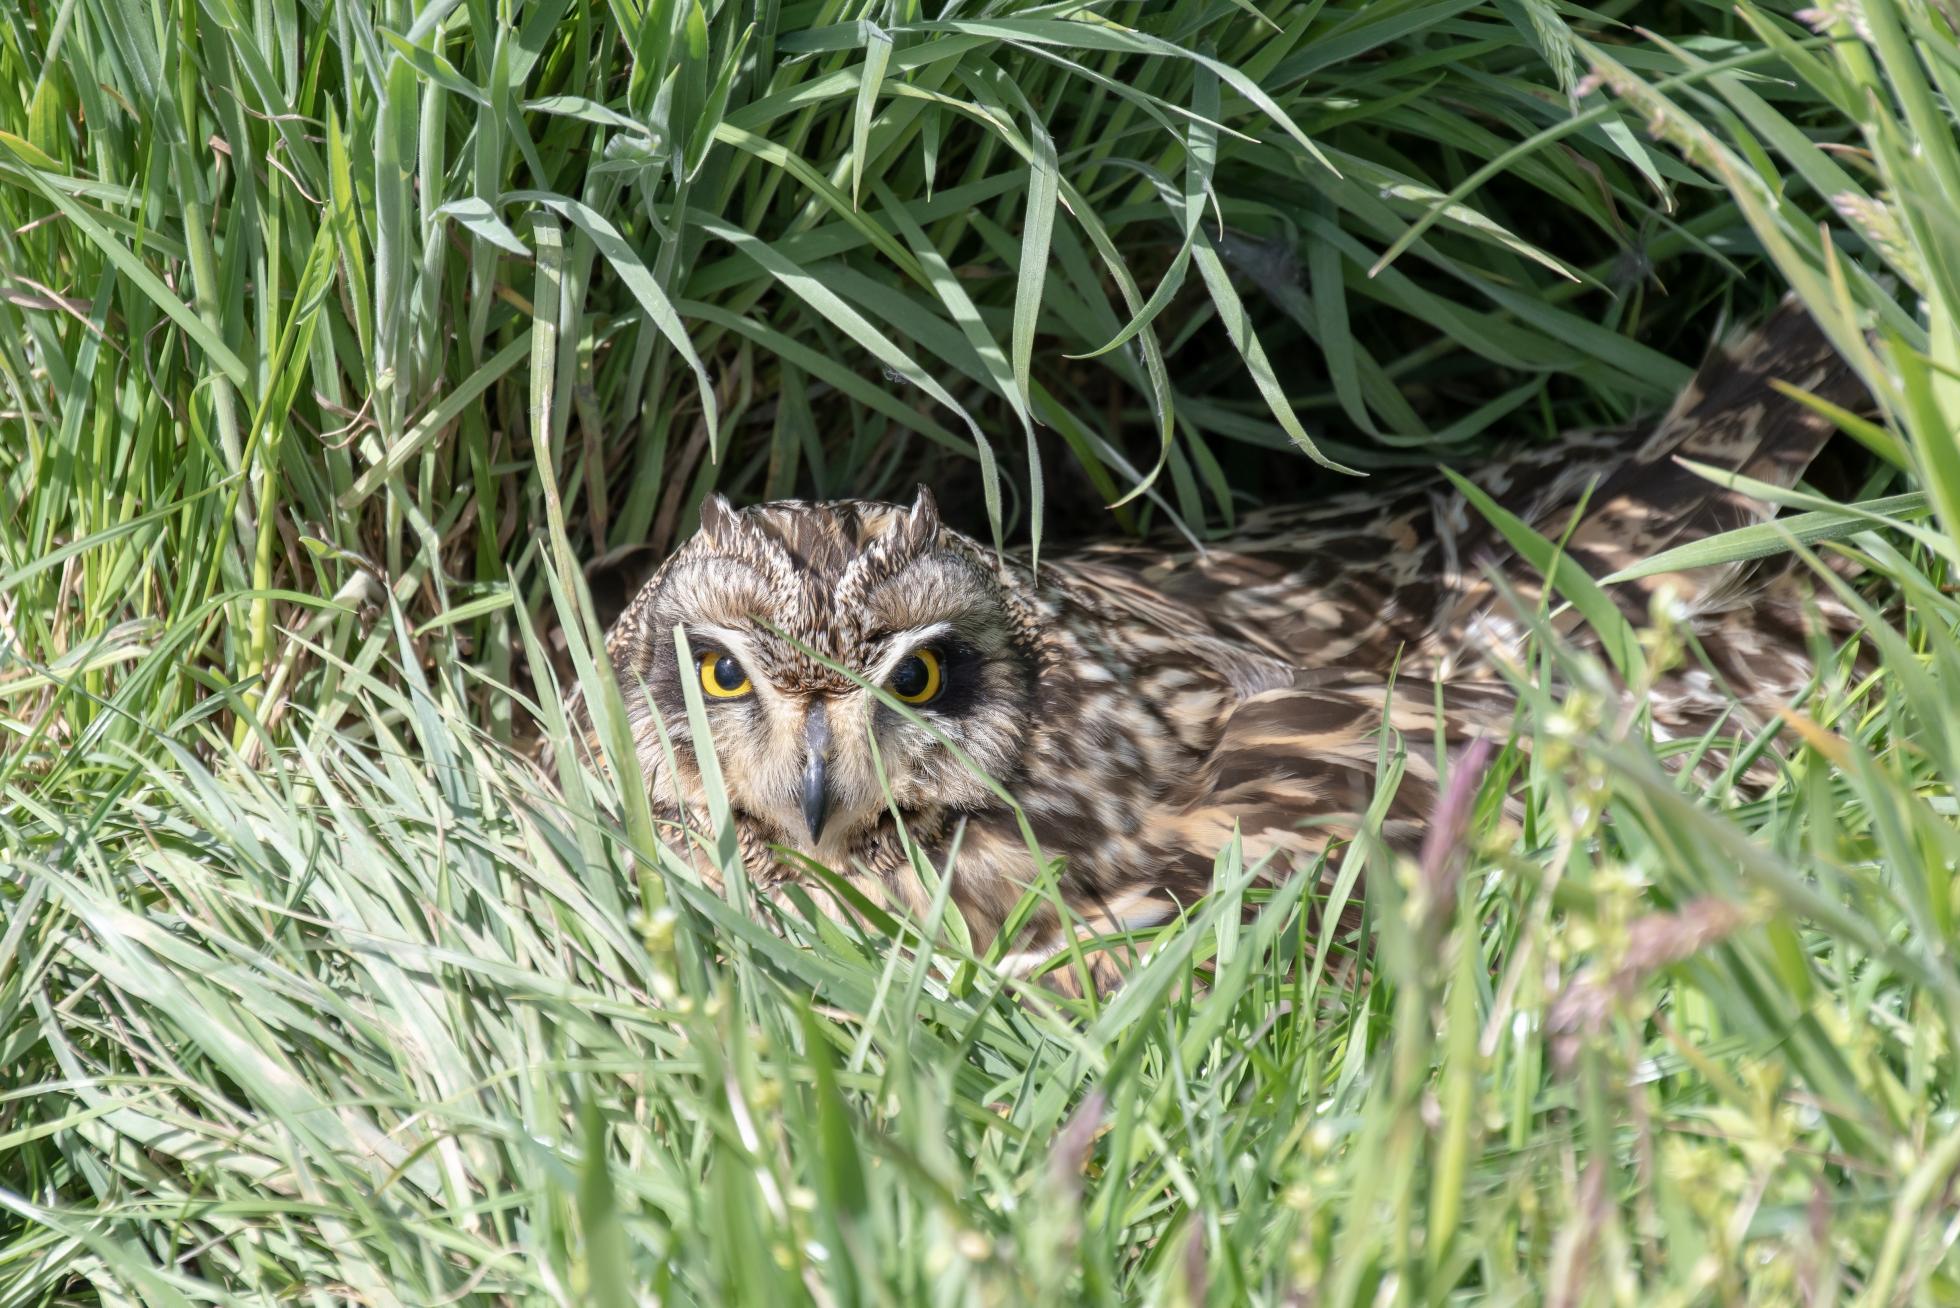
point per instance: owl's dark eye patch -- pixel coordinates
(943, 676)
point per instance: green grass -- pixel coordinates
(334, 339)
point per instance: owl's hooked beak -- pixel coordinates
(816, 769)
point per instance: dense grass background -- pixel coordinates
(336, 340)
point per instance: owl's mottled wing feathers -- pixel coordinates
(1323, 601)
(1399, 569)
(1298, 767)
(1730, 418)
(1299, 773)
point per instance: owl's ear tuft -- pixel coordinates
(922, 520)
(717, 517)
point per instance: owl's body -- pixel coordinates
(1139, 703)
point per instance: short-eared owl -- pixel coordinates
(1140, 701)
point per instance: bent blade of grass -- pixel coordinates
(1238, 325)
(631, 270)
(871, 77)
(1101, 34)
(1565, 575)
(1774, 537)
(813, 292)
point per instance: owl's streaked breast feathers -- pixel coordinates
(1141, 701)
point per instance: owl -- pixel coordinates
(1119, 715)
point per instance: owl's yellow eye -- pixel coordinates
(722, 677)
(917, 679)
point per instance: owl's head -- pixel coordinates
(911, 607)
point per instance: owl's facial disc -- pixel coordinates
(810, 757)
(803, 761)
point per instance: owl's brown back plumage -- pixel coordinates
(1398, 570)
(1140, 702)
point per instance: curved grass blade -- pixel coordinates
(1774, 537)
(1564, 573)
(811, 290)
(877, 54)
(634, 273)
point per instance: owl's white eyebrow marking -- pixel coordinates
(728, 640)
(902, 643)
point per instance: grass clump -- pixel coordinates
(337, 338)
